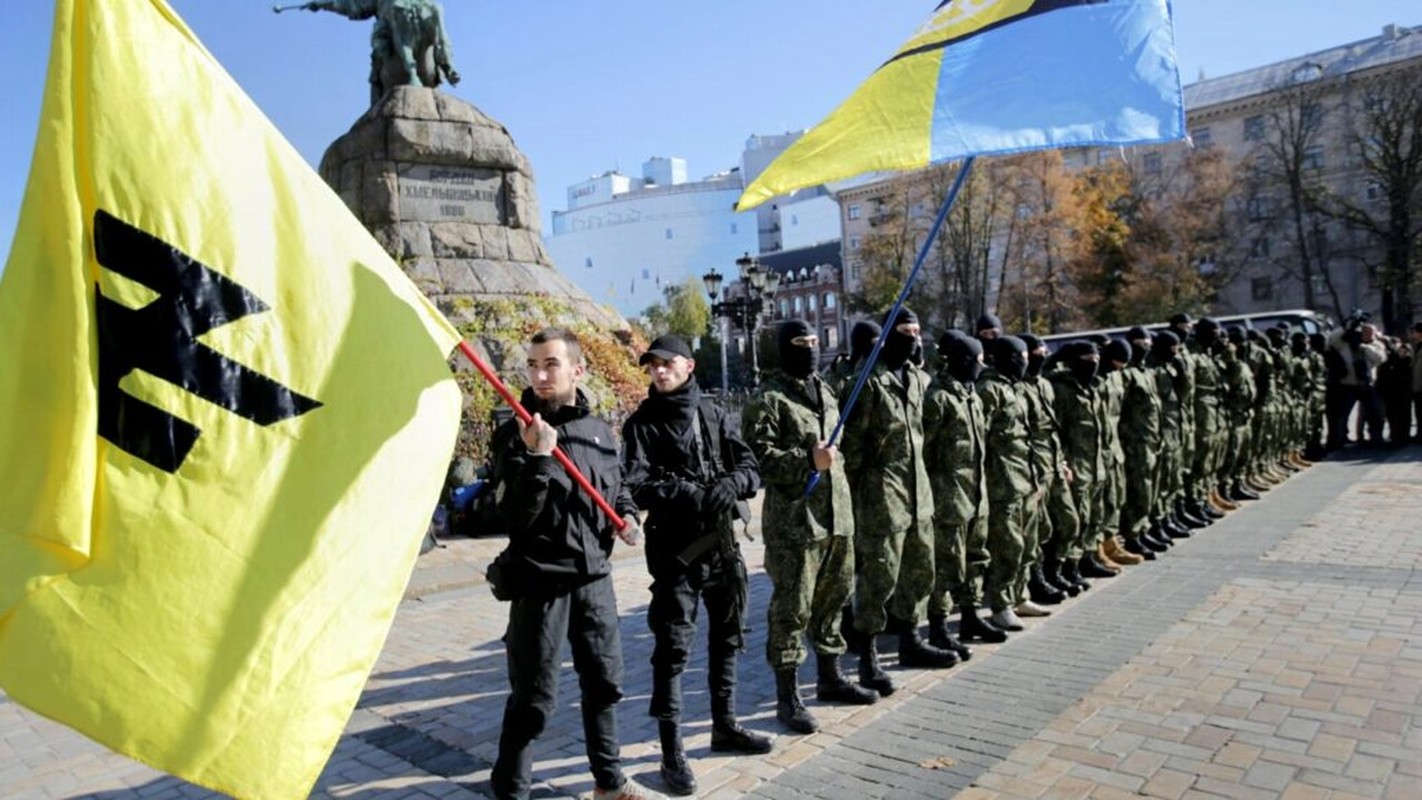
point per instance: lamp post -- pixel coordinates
(760, 284)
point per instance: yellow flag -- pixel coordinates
(225, 416)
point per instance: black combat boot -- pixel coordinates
(1042, 591)
(915, 652)
(728, 735)
(939, 636)
(1188, 518)
(1137, 545)
(676, 772)
(833, 687)
(1203, 510)
(971, 626)
(871, 675)
(1073, 576)
(789, 708)
(1172, 526)
(1091, 567)
(1238, 491)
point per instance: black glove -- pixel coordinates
(721, 498)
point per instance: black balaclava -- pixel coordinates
(1114, 351)
(1178, 325)
(861, 340)
(1162, 347)
(1035, 360)
(962, 356)
(1277, 337)
(798, 361)
(1139, 339)
(1100, 340)
(1073, 356)
(1299, 342)
(987, 322)
(1009, 357)
(898, 346)
(1237, 338)
(1207, 333)
(1318, 342)
(1259, 339)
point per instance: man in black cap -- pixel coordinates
(687, 467)
(842, 374)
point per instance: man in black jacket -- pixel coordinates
(557, 567)
(688, 468)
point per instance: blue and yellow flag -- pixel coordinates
(225, 417)
(998, 76)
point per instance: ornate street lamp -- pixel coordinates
(761, 284)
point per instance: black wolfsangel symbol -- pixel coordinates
(161, 340)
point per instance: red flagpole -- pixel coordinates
(568, 466)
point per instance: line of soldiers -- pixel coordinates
(1008, 477)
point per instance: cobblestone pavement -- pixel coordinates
(1276, 654)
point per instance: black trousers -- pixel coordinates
(1369, 406)
(539, 621)
(719, 580)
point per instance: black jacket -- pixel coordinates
(665, 475)
(555, 530)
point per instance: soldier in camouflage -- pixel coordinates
(1238, 411)
(1139, 432)
(1077, 406)
(893, 507)
(1044, 583)
(954, 449)
(1115, 356)
(809, 541)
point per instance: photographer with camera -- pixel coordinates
(688, 469)
(1360, 354)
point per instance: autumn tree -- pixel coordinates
(887, 253)
(1040, 296)
(962, 251)
(683, 311)
(1385, 133)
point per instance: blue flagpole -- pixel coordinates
(894, 312)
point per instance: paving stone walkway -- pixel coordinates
(1276, 654)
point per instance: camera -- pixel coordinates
(1356, 318)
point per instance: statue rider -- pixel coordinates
(403, 29)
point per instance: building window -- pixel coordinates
(829, 296)
(1373, 191)
(1201, 137)
(1261, 289)
(809, 302)
(854, 243)
(646, 274)
(1313, 158)
(853, 273)
(1311, 116)
(587, 262)
(1152, 163)
(1253, 128)
(1259, 248)
(830, 341)
(1319, 282)
(795, 304)
(854, 212)
(784, 307)
(669, 233)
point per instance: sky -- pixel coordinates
(585, 86)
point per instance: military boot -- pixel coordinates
(939, 636)
(1298, 459)
(915, 652)
(871, 675)
(1054, 572)
(1201, 508)
(833, 687)
(789, 708)
(1118, 554)
(1091, 566)
(728, 735)
(1072, 574)
(1172, 527)
(1219, 501)
(971, 626)
(676, 772)
(852, 637)
(1239, 492)
(1155, 538)
(1040, 590)
(1135, 545)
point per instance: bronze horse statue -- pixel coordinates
(408, 45)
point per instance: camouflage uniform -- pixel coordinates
(1010, 484)
(1112, 389)
(1047, 525)
(893, 502)
(1140, 437)
(1082, 442)
(1238, 412)
(954, 448)
(809, 553)
(1208, 430)
(1168, 485)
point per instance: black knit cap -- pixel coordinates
(988, 321)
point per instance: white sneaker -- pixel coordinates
(1006, 620)
(1027, 608)
(631, 790)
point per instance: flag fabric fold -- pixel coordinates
(225, 418)
(998, 76)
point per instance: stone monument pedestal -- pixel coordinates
(443, 188)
